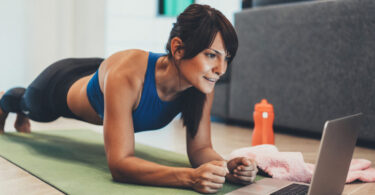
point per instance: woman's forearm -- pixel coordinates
(203, 155)
(136, 170)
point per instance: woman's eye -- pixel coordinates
(211, 55)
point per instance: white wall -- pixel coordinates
(36, 33)
(12, 43)
(48, 34)
(90, 28)
(135, 24)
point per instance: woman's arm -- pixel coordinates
(120, 95)
(199, 148)
(241, 170)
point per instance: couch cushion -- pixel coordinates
(313, 60)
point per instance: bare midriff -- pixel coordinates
(79, 104)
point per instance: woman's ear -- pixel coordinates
(177, 48)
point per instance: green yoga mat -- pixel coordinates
(74, 162)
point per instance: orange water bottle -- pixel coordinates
(263, 121)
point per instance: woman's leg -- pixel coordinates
(3, 115)
(22, 124)
(10, 102)
(44, 100)
(13, 101)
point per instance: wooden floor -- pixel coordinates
(225, 138)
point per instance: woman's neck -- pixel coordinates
(169, 81)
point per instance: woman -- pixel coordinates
(134, 91)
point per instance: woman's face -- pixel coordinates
(205, 69)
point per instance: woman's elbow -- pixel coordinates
(118, 173)
(116, 177)
(115, 173)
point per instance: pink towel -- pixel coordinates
(291, 166)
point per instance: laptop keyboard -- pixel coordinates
(296, 189)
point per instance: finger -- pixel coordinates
(253, 178)
(217, 179)
(219, 168)
(248, 174)
(237, 160)
(245, 173)
(246, 161)
(234, 163)
(209, 190)
(221, 163)
(245, 168)
(247, 179)
(248, 167)
(218, 171)
(213, 185)
(244, 179)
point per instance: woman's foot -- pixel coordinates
(22, 124)
(3, 115)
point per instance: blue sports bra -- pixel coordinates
(152, 112)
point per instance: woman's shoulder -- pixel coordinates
(131, 62)
(126, 68)
(122, 74)
(128, 57)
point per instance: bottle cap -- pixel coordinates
(264, 106)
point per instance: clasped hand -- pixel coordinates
(210, 177)
(242, 170)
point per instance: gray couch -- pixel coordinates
(313, 61)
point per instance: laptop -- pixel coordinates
(335, 154)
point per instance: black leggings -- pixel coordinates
(45, 99)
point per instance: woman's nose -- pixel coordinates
(220, 68)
